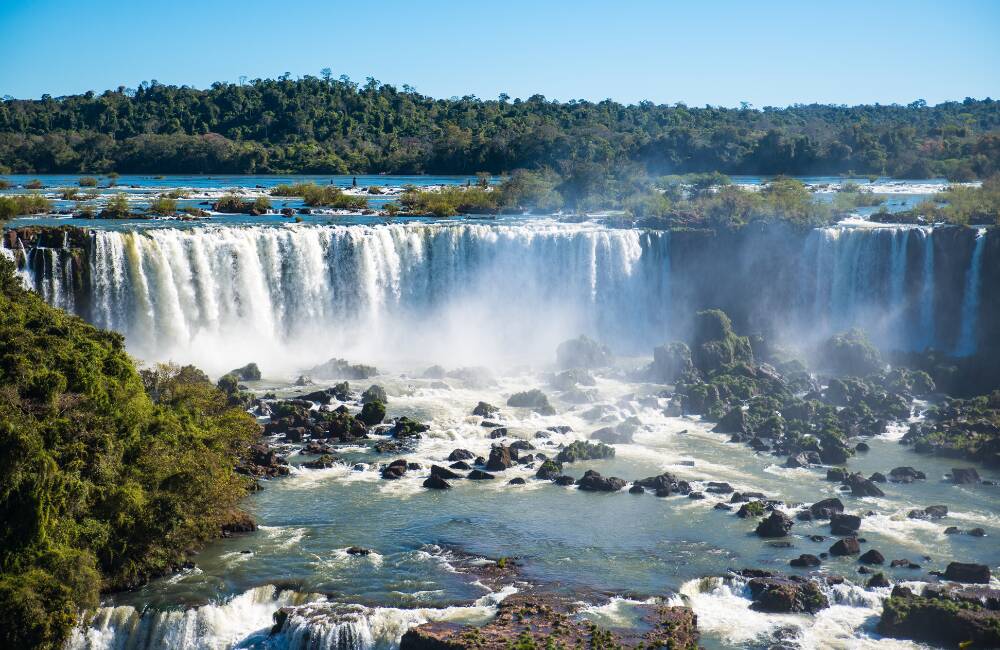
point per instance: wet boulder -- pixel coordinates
(666, 482)
(805, 560)
(850, 354)
(878, 581)
(964, 475)
(846, 546)
(374, 393)
(549, 470)
(778, 595)
(583, 352)
(516, 481)
(404, 427)
(500, 459)
(584, 450)
(461, 464)
(734, 421)
(564, 480)
(395, 470)
(836, 474)
(435, 482)
(671, 362)
(803, 459)
(480, 475)
(533, 399)
(942, 617)
(872, 556)
(930, 512)
(906, 475)
(249, 372)
(715, 345)
(826, 508)
(862, 487)
(613, 435)
(843, 524)
(571, 379)
(372, 413)
(444, 472)
(499, 432)
(486, 410)
(461, 454)
(777, 524)
(967, 572)
(593, 482)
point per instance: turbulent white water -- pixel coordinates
(475, 294)
(970, 303)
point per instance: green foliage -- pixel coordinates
(102, 484)
(966, 205)
(19, 204)
(262, 204)
(450, 200)
(326, 196)
(117, 208)
(326, 125)
(163, 205)
(88, 181)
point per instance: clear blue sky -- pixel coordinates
(720, 53)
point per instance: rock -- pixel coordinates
(374, 393)
(372, 413)
(906, 474)
(461, 454)
(862, 487)
(826, 508)
(877, 477)
(564, 480)
(582, 352)
(357, 550)
(613, 435)
(404, 427)
(516, 481)
(751, 509)
(323, 462)
(593, 482)
(249, 372)
(803, 459)
(462, 465)
(394, 470)
(862, 447)
(871, 556)
(850, 354)
(533, 620)
(930, 512)
(549, 470)
(500, 459)
(696, 495)
(480, 475)
(636, 489)
(846, 546)
(485, 410)
(777, 524)
(779, 595)
(342, 369)
(805, 560)
(500, 432)
(437, 470)
(715, 345)
(570, 379)
(963, 572)
(533, 399)
(715, 487)
(945, 618)
(836, 474)
(671, 362)
(665, 482)
(717, 506)
(878, 581)
(735, 421)
(964, 475)
(584, 450)
(436, 482)
(841, 524)
(904, 563)
(522, 445)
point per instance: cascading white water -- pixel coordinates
(467, 294)
(222, 296)
(970, 301)
(858, 277)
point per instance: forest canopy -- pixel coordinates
(329, 125)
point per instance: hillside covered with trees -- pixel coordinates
(329, 125)
(108, 476)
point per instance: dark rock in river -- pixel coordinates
(825, 508)
(564, 480)
(779, 595)
(583, 352)
(878, 580)
(584, 450)
(533, 399)
(461, 454)
(964, 572)
(435, 482)
(374, 393)
(486, 410)
(500, 459)
(963, 475)
(805, 560)
(462, 465)
(437, 470)
(842, 524)
(846, 546)
(249, 372)
(862, 487)
(930, 512)
(872, 556)
(777, 524)
(480, 475)
(516, 481)
(593, 482)
(549, 470)
(952, 618)
(906, 474)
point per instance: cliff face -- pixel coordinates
(911, 289)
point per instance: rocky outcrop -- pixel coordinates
(593, 482)
(777, 524)
(541, 620)
(952, 618)
(533, 399)
(583, 352)
(780, 595)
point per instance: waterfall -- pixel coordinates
(927, 326)
(970, 302)
(480, 294)
(469, 292)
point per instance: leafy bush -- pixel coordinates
(33, 203)
(163, 205)
(88, 181)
